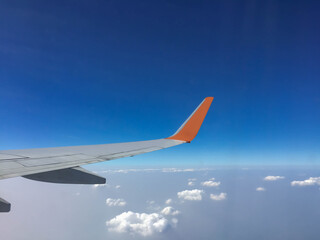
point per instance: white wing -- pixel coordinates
(15, 163)
(61, 164)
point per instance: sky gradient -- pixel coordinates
(78, 72)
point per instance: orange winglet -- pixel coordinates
(189, 129)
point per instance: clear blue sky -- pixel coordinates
(89, 72)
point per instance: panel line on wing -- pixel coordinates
(128, 153)
(33, 162)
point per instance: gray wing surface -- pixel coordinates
(15, 163)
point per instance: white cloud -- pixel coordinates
(218, 197)
(111, 202)
(152, 206)
(260, 189)
(99, 185)
(169, 211)
(138, 223)
(308, 182)
(151, 202)
(125, 170)
(174, 170)
(192, 195)
(210, 183)
(174, 222)
(165, 170)
(190, 183)
(96, 186)
(273, 178)
(129, 170)
(169, 201)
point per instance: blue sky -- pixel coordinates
(77, 72)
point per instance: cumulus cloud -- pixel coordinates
(308, 182)
(192, 195)
(218, 197)
(139, 223)
(96, 186)
(273, 178)
(169, 211)
(169, 201)
(111, 202)
(190, 183)
(260, 189)
(210, 183)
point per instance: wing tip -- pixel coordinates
(188, 131)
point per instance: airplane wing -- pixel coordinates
(62, 164)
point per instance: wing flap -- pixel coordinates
(75, 175)
(4, 205)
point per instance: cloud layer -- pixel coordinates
(174, 170)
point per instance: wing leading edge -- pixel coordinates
(56, 164)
